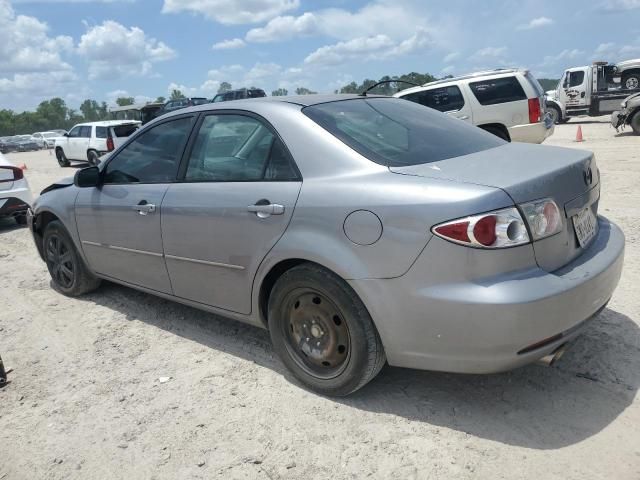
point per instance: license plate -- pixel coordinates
(584, 223)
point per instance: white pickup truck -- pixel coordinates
(593, 90)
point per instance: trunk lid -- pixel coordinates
(529, 172)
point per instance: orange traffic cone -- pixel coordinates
(579, 134)
(23, 167)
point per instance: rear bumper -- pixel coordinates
(532, 132)
(480, 325)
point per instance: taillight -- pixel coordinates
(534, 110)
(10, 174)
(110, 145)
(543, 217)
(498, 229)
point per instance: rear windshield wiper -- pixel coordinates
(364, 92)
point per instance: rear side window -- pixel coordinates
(445, 99)
(85, 132)
(395, 133)
(101, 132)
(498, 90)
(256, 93)
(121, 131)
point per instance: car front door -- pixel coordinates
(574, 88)
(119, 221)
(237, 194)
(69, 143)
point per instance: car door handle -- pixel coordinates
(266, 210)
(144, 208)
(463, 117)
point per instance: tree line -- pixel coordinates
(55, 114)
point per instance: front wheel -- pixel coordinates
(322, 331)
(635, 122)
(631, 82)
(67, 269)
(62, 158)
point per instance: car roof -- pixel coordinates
(107, 123)
(302, 100)
(470, 76)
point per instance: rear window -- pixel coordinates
(256, 93)
(125, 130)
(535, 84)
(395, 133)
(498, 90)
(445, 99)
(200, 101)
(101, 132)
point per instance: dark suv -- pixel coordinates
(239, 94)
(172, 105)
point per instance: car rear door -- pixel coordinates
(119, 221)
(238, 191)
(448, 99)
(500, 100)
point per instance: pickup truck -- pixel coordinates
(593, 90)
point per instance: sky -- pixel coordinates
(104, 49)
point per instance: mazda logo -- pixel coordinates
(588, 176)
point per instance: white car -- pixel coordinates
(87, 142)
(46, 139)
(15, 195)
(508, 103)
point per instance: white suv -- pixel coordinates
(87, 142)
(508, 103)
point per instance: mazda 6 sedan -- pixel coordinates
(358, 230)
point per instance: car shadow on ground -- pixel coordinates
(535, 407)
(629, 133)
(580, 121)
(8, 224)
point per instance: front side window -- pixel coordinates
(498, 90)
(237, 148)
(153, 157)
(576, 79)
(394, 132)
(101, 132)
(444, 99)
(75, 132)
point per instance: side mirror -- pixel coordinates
(10, 174)
(87, 177)
(65, 134)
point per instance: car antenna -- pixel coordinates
(364, 93)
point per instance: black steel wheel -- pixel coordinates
(62, 158)
(66, 267)
(322, 331)
(93, 157)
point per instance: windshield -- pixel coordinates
(395, 132)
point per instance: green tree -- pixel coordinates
(160, 100)
(90, 110)
(103, 111)
(177, 95)
(350, 88)
(304, 91)
(124, 101)
(280, 92)
(224, 87)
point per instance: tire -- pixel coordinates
(631, 81)
(21, 219)
(556, 115)
(498, 132)
(62, 158)
(310, 307)
(93, 157)
(67, 269)
(635, 122)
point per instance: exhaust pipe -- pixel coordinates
(553, 357)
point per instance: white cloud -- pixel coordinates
(451, 57)
(116, 51)
(536, 23)
(490, 52)
(614, 52)
(38, 85)
(114, 95)
(368, 48)
(234, 12)
(562, 58)
(619, 5)
(380, 17)
(229, 44)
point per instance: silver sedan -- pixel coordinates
(358, 230)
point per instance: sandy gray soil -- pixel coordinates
(86, 402)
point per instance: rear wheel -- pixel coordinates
(21, 219)
(556, 115)
(93, 157)
(67, 269)
(61, 157)
(322, 331)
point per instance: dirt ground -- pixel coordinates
(85, 399)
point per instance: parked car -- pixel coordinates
(239, 94)
(506, 102)
(415, 238)
(8, 145)
(173, 105)
(15, 195)
(629, 114)
(46, 139)
(26, 143)
(87, 142)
